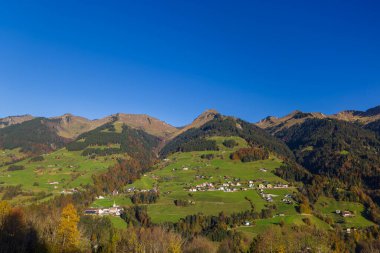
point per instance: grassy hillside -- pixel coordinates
(181, 171)
(57, 171)
(328, 207)
(8, 156)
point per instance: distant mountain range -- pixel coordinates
(70, 126)
(274, 124)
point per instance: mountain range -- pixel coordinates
(70, 126)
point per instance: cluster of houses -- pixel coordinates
(115, 210)
(288, 199)
(269, 197)
(225, 187)
(69, 191)
(233, 186)
(344, 214)
(134, 189)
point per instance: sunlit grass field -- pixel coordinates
(328, 206)
(67, 169)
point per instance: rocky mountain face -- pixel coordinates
(147, 123)
(363, 117)
(12, 120)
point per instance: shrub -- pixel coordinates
(16, 167)
(229, 143)
(207, 156)
(37, 158)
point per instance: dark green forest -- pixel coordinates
(35, 136)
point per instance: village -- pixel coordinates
(234, 185)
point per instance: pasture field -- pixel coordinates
(108, 201)
(262, 225)
(118, 222)
(10, 155)
(57, 171)
(328, 206)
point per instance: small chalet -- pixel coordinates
(347, 214)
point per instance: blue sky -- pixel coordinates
(174, 59)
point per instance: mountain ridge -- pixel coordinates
(275, 124)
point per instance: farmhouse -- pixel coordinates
(347, 214)
(281, 186)
(69, 191)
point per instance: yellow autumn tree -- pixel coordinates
(5, 209)
(68, 233)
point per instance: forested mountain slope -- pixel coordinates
(339, 150)
(374, 126)
(194, 138)
(34, 136)
(116, 138)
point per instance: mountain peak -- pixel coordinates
(202, 119)
(12, 120)
(147, 123)
(208, 114)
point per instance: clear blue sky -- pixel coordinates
(174, 59)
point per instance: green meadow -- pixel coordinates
(262, 225)
(10, 155)
(57, 171)
(328, 206)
